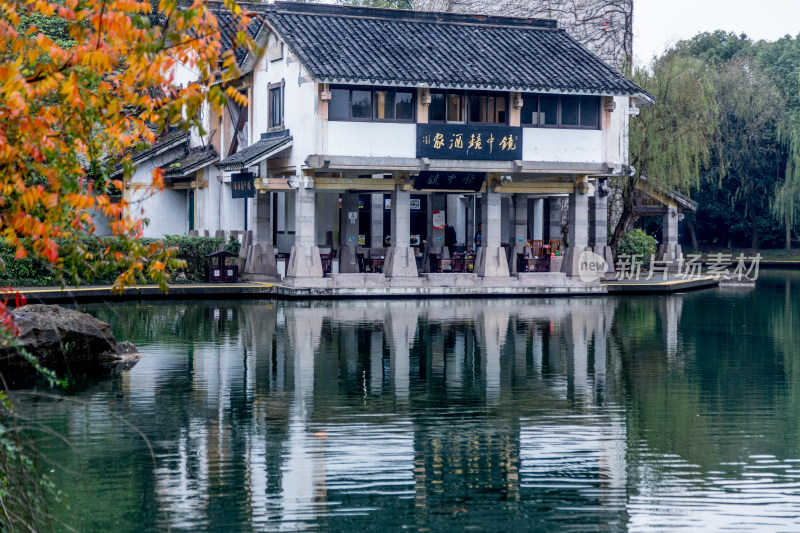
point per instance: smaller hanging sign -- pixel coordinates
(242, 185)
(450, 181)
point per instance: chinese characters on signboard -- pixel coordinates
(451, 181)
(466, 141)
(242, 185)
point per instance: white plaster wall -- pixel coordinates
(300, 104)
(167, 210)
(371, 139)
(563, 145)
(615, 140)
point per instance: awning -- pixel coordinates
(186, 165)
(269, 145)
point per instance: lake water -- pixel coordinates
(637, 413)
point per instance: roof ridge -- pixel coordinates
(382, 13)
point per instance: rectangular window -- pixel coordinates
(569, 111)
(361, 104)
(437, 110)
(275, 104)
(365, 103)
(530, 110)
(561, 111)
(339, 105)
(590, 111)
(394, 105)
(487, 109)
(456, 110)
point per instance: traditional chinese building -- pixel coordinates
(370, 131)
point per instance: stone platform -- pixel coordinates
(526, 285)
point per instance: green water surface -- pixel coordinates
(639, 413)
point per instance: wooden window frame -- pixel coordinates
(280, 86)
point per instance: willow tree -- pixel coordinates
(670, 140)
(781, 60)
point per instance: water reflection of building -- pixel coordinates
(420, 407)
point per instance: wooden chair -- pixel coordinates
(555, 245)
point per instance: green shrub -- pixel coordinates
(637, 242)
(30, 272)
(193, 250)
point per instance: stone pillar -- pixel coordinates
(376, 221)
(400, 262)
(348, 233)
(457, 216)
(598, 226)
(519, 237)
(260, 264)
(578, 229)
(555, 218)
(491, 258)
(538, 219)
(669, 250)
(304, 261)
(435, 245)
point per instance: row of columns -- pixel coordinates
(587, 231)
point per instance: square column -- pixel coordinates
(598, 225)
(554, 220)
(348, 233)
(304, 261)
(538, 219)
(457, 216)
(669, 250)
(376, 221)
(435, 245)
(260, 264)
(578, 228)
(400, 261)
(491, 258)
(519, 237)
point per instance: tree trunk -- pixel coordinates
(754, 242)
(788, 233)
(625, 216)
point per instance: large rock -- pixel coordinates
(60, 337)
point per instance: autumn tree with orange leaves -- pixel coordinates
(74, 107)
(73, 110)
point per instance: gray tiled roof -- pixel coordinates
(268, 145)
(342, 44)
(187, 164)
(227, 24)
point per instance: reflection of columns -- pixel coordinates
(580, 353)
(454, 363)
(672, 308)
(492, 324)
(376, 362)
(519, 238)
(349, 233)
(578, 228)
(401, 325)
(376, 221)
(301, 472)
(598, 224)
(554, 221)
(304, 261)
(400, 261)
(491, 259)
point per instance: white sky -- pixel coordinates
(659, 23)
